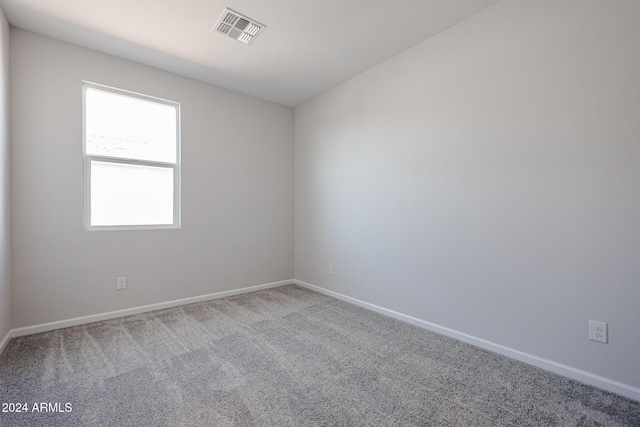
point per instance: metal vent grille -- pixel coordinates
(238, 27)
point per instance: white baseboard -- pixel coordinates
(5, 341)
(44, 327)
(549, 365)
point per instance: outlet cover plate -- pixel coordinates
(598, 331)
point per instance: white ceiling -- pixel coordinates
(308, 47)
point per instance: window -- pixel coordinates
(131, 145)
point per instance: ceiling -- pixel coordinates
(308, 46)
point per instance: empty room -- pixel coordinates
(319, 213)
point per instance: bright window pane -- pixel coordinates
(125, 194)
(129, 127)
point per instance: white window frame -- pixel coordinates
(87, 159)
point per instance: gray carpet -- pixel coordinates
(284, 357)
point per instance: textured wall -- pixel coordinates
(237, 191)
(487, 181)
(5, 277)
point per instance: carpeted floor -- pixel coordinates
(283, 357)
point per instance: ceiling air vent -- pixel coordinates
(238, 27)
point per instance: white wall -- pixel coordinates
(488, 181)
(5, 254)
(237, 191)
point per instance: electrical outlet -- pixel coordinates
(121, 283)
(331, 269)
(598, 331)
